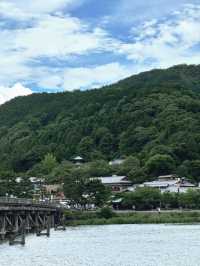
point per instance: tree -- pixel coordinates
(131, 163)
(143, 199)
(7, 183)
(106, 213)
(81, 190)
(106, 144)
(74, 189)
(97, 193)
(24, 188)
(161, 149)
(183, 169)
(160, 164)
(49, 163)
(134, 139)
(137, 176)
(99, 168)
(33, 123)
(190, 199)
(170, 200)
(97, 155)
(58, 173)
(85, 147)
(194, 170)
(99, 133)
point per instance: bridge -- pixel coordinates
(21, 216)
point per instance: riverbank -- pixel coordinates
(93, 218)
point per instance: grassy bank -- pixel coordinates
(87, 218)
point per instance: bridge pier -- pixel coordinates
(60, 225)
(45, 225)
(3, 227)
(18, 237)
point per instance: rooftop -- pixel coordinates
(166, 177)
(158, 183)
(114, 179)
(77, 158)
(166, 183)
(116, 162)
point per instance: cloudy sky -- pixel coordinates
(58, 45)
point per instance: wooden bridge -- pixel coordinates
(21, 216)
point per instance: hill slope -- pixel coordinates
(157, 112)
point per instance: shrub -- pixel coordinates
(69, 215)
(106, 213)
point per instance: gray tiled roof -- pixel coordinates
(114, 180)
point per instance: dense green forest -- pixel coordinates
(154, 117)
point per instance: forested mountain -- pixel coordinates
(154, 116)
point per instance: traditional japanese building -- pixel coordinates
(171, 183)
(116, 183)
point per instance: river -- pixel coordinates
(111, 245)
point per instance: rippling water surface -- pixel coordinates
(112, 245)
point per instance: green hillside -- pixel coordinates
(153, 116)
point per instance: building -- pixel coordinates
(170, 183)
(116, 183)
(35, 181)
(55, 191)
(116, 203)
(78, 160)
(37, 184)
(116, 162)
(168, 177)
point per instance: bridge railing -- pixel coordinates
(25, 202)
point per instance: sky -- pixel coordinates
(66, 45)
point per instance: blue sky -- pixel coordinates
(64, 45)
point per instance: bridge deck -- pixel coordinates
(27, 204)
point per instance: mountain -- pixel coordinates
(146, 115)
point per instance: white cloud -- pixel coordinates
(48, 35)
(94, 77)
(28, 9)
(23, 49)
(8, 93)
(58, 37)
(49, 79)
(128, 12)
(167, 42)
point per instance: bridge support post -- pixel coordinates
(38, 229)
(22, 232)
(61, 226)
(3, 227)
(46, 226)
(27, 224)
(52, 221)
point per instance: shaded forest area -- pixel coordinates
(154, 117)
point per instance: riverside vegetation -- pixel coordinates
(176, 208)
(74, 218)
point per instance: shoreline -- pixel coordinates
(173, 217)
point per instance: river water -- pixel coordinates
(111, 245)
